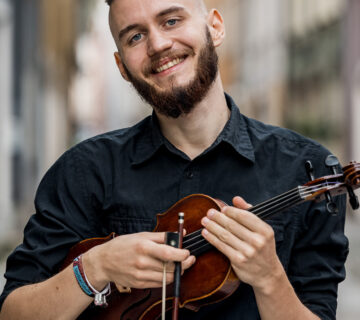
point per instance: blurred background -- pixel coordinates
(293, 63)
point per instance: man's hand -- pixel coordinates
(134, 260)
(247, 241)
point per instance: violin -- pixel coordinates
(211, 279)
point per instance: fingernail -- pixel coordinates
(211, 213)
(205, 221)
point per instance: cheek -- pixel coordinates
(135, 60)
(192, 37)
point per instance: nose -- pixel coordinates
(158, 41)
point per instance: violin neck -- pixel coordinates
(278, 204)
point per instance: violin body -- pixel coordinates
(209, 280)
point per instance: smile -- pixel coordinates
(169, 65)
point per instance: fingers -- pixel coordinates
(246, 219)
(186, 264)
(150, 278)
(152, 244)
(225, 234)
(156, 247)
(225, 248)
(158, 237)
(147, 279)
(241, 203)
(164, 252)
(250, 220)
(136, 260)
(237, 228)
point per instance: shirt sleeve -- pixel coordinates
(319, 253)
(64, 216)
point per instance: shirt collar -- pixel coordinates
(150, 140)
(235, 133)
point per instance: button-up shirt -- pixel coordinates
(118, 182)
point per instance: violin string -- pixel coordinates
(270, 205)
(298, 195)
(190, 238)
(279, 206)
(269, 201)
(294, 199)
(306, 191)
(273, 207)
(196, 244)
(204, 247)
(195, 241)
(299, 191)
(312, 190)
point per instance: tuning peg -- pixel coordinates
(353, 199)
(332, 162)
(331, 206)
(309, 170)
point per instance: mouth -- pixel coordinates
(168, 65)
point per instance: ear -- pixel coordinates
(120, 65)
(216, 26)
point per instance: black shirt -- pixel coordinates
(119, 181)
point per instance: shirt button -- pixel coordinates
(189, 174)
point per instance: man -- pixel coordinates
(195, 142)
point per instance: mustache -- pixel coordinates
(155, 61)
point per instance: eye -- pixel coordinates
(171, 22)
(136, 38)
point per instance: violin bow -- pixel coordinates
(177, 272)
(174, 239)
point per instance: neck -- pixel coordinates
(194, 132)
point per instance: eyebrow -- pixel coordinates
(172, 9)
(163, 13)
(124, 31)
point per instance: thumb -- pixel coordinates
(241, 203)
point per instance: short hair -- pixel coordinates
(109, 2)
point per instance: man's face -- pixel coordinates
(166, 51)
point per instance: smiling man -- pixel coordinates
(196, 141)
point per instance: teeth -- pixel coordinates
(169, 65)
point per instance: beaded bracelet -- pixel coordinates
(85, 285)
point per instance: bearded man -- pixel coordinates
(195, 142)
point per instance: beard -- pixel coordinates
(179, 100)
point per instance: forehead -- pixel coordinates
(137, 11)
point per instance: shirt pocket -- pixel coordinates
(125, 225)
(127, 220)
